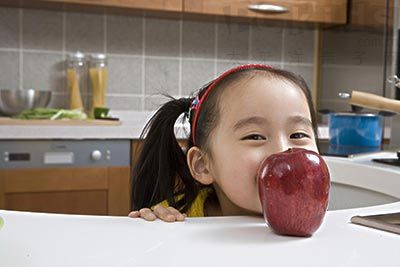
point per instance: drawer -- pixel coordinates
(315, 11)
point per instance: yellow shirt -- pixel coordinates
(197, 207)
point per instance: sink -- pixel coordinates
(361, 183)
(343, 196)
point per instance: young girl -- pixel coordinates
(237, 120)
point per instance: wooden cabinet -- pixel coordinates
(364, 13)
(316, 11)
(96, 190)
(169, 5)
(372, 14)
(298, 11)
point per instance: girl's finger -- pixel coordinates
(134, 214)
(178, 216)
(147, 214)
(163, 214)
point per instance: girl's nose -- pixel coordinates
(281, 144)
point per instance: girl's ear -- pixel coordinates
(199, 166)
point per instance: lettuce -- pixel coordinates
(52, 114)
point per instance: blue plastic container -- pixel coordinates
(353, 129)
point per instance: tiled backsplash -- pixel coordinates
(352, 60)
(147, 56)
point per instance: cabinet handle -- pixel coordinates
(267, 8)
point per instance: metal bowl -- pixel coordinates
(13, 102)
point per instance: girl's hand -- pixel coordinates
(167, 214)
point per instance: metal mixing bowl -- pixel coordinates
(13, 102)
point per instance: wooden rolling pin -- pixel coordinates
(372, 101)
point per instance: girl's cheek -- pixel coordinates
(256, 158)
(312, 147)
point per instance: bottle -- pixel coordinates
(98, 80)
(75, 79)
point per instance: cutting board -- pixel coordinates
(11, 121)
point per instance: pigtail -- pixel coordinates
(161, 171)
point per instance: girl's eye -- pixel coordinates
(299, 136)
(256, 137)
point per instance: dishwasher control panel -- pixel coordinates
(63, 153)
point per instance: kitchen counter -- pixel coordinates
(131, 126)
(132, 123)
(35, 239)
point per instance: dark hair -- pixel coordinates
(161, 171)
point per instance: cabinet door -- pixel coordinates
(371, 13)
(96, 191)
(160, 5)
(318, 11)
(119, 191)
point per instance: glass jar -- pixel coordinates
(98, 81)
(76, 71)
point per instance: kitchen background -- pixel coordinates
(154, 48)
(148, 56)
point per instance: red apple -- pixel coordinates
(294, 190)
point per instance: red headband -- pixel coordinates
(196, 104)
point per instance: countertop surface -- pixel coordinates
(132, 123)
(39, 239)
(131, 126)
(35, 239)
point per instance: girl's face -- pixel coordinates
(259, 116)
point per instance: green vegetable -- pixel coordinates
(1, 222)
(101, 112)
(37, 114)
(51, 114)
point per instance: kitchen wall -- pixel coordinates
(352, 59)
(147, 56)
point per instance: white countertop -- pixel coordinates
(132, 123)
(38, 239)
(131, 127)
(34, 239)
